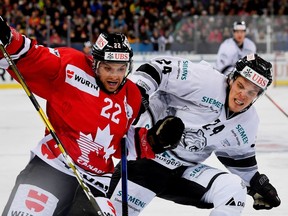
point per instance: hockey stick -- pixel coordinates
(124, 171)
(276, 105)
(49, 126)
(124, 177)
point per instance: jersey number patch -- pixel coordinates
(107, 112)
(166, 69)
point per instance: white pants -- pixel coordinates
(227, 192)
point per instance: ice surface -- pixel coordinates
(21, 128)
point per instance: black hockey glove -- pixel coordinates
(145, 100)
(264, 194)
(165, 134)
(5, 35)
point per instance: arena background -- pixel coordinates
(191, 29)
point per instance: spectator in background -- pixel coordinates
(169, 40)
(234, 48)
(55, 39)
(87, 48)
(162, 42)
(132, 37)
(154, 39)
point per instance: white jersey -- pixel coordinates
(229, 53)
(196, 93)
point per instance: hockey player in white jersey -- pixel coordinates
(219, 117)
(234, 48)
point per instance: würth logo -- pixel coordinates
(70, 74)
(36, 201)
(81, 80)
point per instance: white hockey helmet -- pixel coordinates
(239, 26)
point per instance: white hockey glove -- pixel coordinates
(5, 35)
(264, 194)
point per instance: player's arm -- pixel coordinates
(37, 64)
(157, 74)
(225, 58)
(263, 192)
(164, 135)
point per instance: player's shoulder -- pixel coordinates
(249, 42)
(228, 41)
(228, 45)
(70, 51)
(131, 87)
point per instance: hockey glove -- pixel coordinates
(165, 134)
(264, 194)
(5, 35)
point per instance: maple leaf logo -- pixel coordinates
(100, 144)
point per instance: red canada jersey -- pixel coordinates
(89, 122)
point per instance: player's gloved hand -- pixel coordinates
(145, 100)
(5, 32)
(264, 194)
(165, 134)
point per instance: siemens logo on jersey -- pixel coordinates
(184, 70)
(242, 133)
(212, 101)
(81, 80)
(135, 200)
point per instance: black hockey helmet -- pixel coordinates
(255, 69)
(239, 26)
(112, 47)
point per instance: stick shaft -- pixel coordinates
(124, 177)
(282, 110)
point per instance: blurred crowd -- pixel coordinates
(158, 23)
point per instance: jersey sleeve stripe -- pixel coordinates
(148, 69)
(247, 162)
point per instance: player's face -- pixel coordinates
(242, 93)
(111, 75)
(87, 50)
(239, 36)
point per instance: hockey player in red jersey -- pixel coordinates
(91, 106)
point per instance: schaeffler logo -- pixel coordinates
(101, 42)
(116, 56)
(254, 77)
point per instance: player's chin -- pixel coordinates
(111, 87)
(236, 107)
